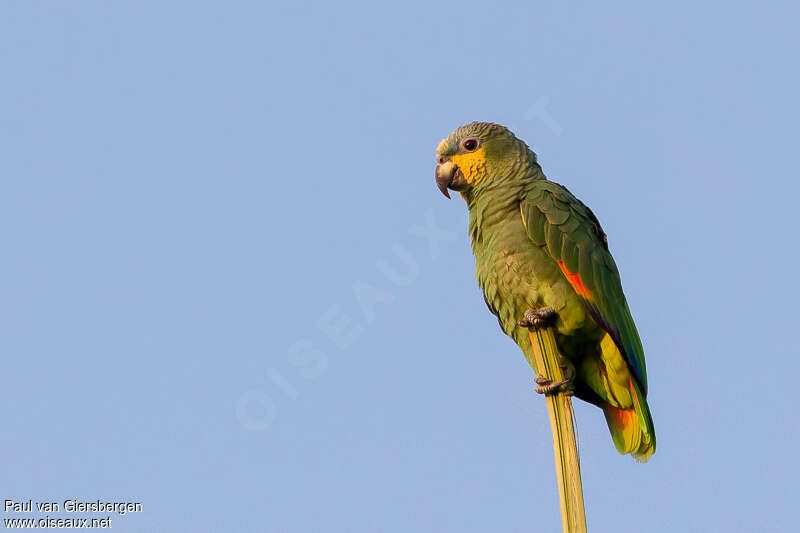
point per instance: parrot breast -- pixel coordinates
(516, 275)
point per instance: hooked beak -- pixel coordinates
(445, 172)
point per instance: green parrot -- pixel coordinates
(539, 251)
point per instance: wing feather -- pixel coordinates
(571, 234)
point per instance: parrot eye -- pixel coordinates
(470, 144)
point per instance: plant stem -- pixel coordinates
(565, 449)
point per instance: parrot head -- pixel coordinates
(480, 155)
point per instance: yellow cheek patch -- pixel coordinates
(472, 165)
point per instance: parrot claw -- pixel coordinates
(537, 318)
(541, 318)
(566, 386)
(549, 387)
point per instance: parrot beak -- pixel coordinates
(445, 172)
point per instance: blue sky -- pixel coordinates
(232, 292)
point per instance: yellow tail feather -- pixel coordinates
(632, 429)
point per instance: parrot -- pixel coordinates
(541, 255)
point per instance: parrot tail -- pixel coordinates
(632, 429)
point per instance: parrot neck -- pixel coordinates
(493, 205)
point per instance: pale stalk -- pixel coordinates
(565, 449)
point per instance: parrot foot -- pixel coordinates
(548, 386)
(537, 318)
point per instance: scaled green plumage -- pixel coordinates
(537, 245)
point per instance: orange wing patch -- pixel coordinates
(575, 280)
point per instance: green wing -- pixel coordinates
(570, 233)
